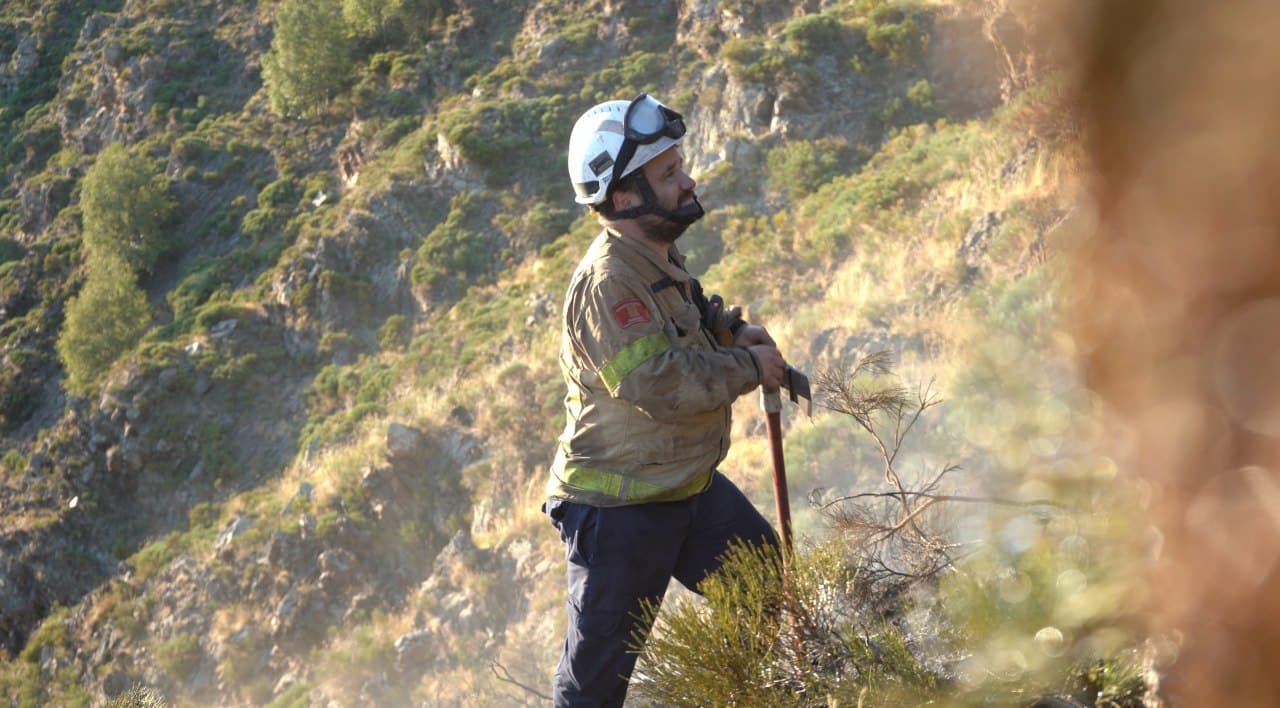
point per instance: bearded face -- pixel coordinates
(669, 226)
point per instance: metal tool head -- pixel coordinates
(797, 385)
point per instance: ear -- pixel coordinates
(622, 199)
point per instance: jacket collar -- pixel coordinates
(635, 253)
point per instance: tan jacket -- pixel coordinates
(650, 393)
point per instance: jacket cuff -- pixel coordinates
(754, 377)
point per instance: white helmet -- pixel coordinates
(614, 139)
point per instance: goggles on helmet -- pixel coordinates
(645, 121)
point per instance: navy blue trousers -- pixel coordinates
(622, 557)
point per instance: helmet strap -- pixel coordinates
(683, 215)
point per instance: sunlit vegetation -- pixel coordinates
(309, 60)
(104, 321)
(277, 266)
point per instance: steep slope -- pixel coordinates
(317, 474)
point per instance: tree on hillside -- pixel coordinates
(309, 61)
(391, 21)
(127, 208)
(103, 322)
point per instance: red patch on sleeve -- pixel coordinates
(630, 311)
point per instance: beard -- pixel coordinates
(668, 226)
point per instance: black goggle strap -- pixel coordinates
(649, 205)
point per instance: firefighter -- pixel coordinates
(652, 369)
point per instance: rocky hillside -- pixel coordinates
(310, 473)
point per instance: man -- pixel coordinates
(652, 369)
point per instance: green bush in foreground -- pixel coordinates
(765, 638)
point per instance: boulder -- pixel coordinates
(405, 445)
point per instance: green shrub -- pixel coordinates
(19, 390)
(452, 254)
(765, 640)
(283, 193)
(631, 73)
(896, 31)
(102, 323)
(333, 386)
(921, 95)
(890, 114)
(192, 148)
(9, 213)
(226, 219)
(404, 70)
(917, 106)
(263, 222)
(10, 250)
(41, 140)
(215, 312)
(394, 333)
(347, 288)
(322, 430)
(798, 168)
(754, 60)
(238, 369)
(205, 514)
(394, 130)
(14, 462)
(502, 135)
(196, 288)
(51, 633)
(811, 35)
(157, 555)
(528, 227)
(375, 384)
(318, 182)
(179, 655)
(126, 208)
(138, 697)
(296, 696)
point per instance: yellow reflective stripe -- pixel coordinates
(632, 490)
(593, 480)
(645, 491)
(633, 355)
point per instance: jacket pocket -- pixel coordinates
(577, 528)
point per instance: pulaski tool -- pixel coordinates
(797, 386)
